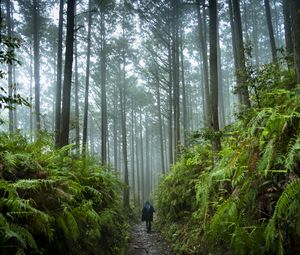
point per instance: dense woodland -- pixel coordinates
(192, 104)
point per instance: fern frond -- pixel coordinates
(21, 234)
(293, 154)
(282, 209)
(266, 161)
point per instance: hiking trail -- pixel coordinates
(142, 243)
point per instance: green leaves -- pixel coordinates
(48, 201)
(247, 203)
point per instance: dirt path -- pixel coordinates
(142, 243)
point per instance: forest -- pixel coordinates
(193, 105)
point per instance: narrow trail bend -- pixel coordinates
(142, 243)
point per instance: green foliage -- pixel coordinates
(55, 203)
(247, 203)
(7, 56)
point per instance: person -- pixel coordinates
(147, 215)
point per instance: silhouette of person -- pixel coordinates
(147, 215)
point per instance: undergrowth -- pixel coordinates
(53, 202)
(249, 201)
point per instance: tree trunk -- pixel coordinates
(36, 52)
(295, 14)
(147, 183)
(87, 83)
(103, 93)
(270, 29)
(77, 129)
(221, 106)
(184, 106)
(10, 67)
(175, 65)
(30, 96)
(170, 102)
(132, 152)
(59, 74)
(124, 132)
(137, 160)
(213, 62)
(115, 131)
(64, 135)
(288, 30)
(242, 90)
(255, 31)
(203, 50)
(158, 100)
(142, 158)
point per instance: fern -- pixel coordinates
(283, 206)
(293, 154)
(20, 234)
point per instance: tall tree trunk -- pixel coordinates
(184, 103)
(213, 62)
(123, 127)
(288, 30)
(10, 67)
(142, 158)
(203, 50)
(103, 92)
(295, 14)
(30, 95)
(87, 83)
(270, 29)
(170, 104)
(162, 156)
(138, 168)
(255, 31)
(115, 131)
(221, 106)
(242, 89)
(175, 65)
(59, 74)
(147, 183)
(77, 129)
(132, 152)
(64, 135)
(36, 52)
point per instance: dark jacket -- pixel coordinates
(147, 212)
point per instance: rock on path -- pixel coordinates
(142, 243)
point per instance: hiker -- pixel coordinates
(147, 215)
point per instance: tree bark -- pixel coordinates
(162, 156)
(295, 14)
(64, 135)
(213, 62)
(170, 102)
(59, 74)
(137, 160)
(87, 83)
(123, 127)
(242, 89)
(184, 103)
(36, 52)
(115, 131)
(103, 92)
(142, 158)
(10, 69)
(288, 30)
(77, 129)
(270, 29)
(255, 31)
(203, 50)
(132, 152)
(147, 182)
(175, 67)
